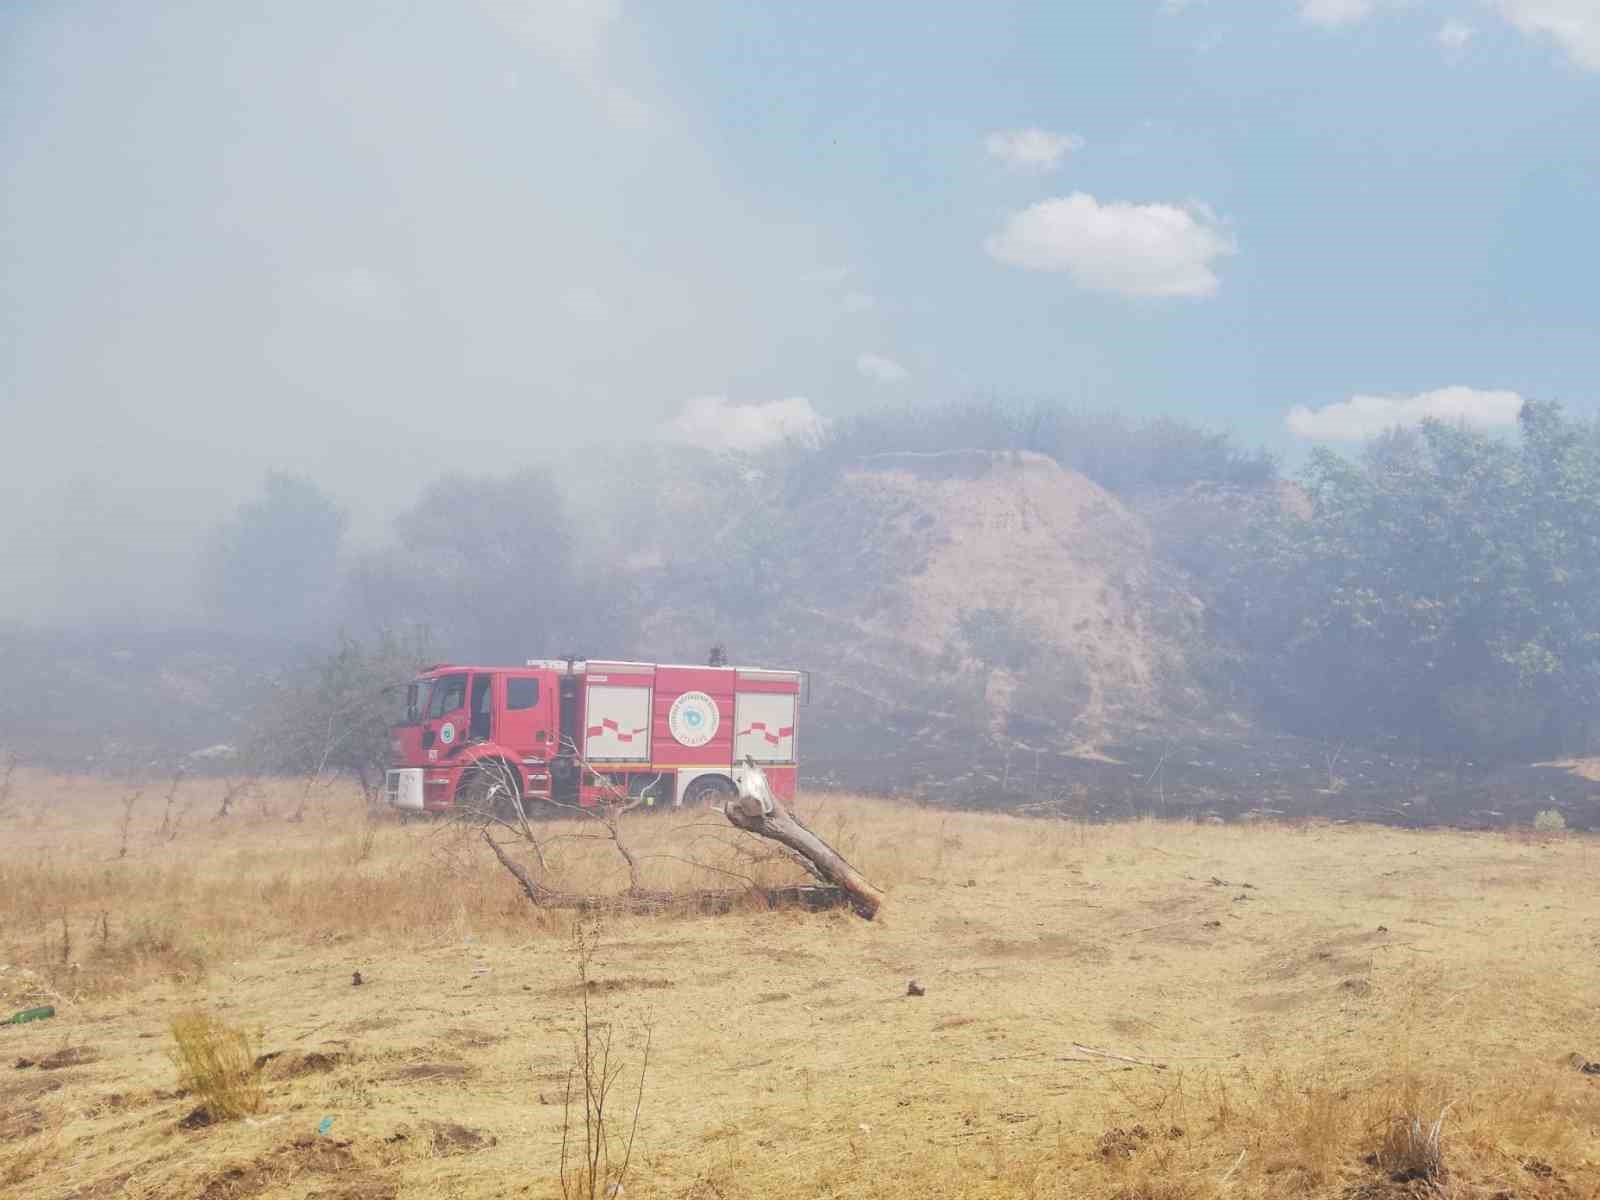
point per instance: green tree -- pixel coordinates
(273, 565)
(334, 714)
(1446, 585)
(491, 566)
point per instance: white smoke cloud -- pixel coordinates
(1362, 417)
(881, 369)
(714, 423)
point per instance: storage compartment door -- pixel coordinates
(764, 727)
(617, 724)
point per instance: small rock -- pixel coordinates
(355, 979)
(915, 989)
(1212, 925)
(1383, 929)
(23, 1064)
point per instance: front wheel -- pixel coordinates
(490, 794)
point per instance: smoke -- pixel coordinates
(713, 423)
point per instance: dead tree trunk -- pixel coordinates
(766, 816)
(755, 810)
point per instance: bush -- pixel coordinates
(1550, 820)
(1413, 1148)
(216, 1062)
(1123, 455)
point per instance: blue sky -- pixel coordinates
(369, 242)
(1406, 212)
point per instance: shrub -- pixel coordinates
(216, 1062)
(1413, 1148)
(1550, 820)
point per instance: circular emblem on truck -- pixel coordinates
(447, 733)
(693, 719)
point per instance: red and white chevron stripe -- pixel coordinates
(767, 734)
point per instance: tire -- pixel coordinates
(488, 794)
(709, 791)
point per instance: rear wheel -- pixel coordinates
(712, 791)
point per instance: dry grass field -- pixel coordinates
(1306, 992)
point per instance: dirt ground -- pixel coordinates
(1289, 994)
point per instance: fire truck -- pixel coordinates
(578, 732)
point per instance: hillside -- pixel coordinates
(121, 700)
(994, 591)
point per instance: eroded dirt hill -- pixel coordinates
(994, 594)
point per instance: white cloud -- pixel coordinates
(1362, 417)
(858, 302)
(1573, 24)
(1332, 13)
(881, 369)
(1454, 35)
(1032, 149)
(1131, 249)
(713, 423)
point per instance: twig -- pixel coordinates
(699, 866)
(1138, 1062)
(1232, 1169)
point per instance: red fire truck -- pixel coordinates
(578, 732)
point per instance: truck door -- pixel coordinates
(525, 718)
(481, 705)
(447, 726)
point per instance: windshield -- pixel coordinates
(449, 693)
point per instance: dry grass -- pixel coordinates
(1299, 1039)
(216, 1064)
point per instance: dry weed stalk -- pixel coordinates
(126, 827)
(234, 790)
(1413, 1148)
(169, 828)
(589, 1171)
(329, 744)
(7, 774)
(216, 1062)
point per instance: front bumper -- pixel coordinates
(403, 789)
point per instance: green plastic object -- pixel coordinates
(30, 1014)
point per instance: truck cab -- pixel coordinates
(578, 733)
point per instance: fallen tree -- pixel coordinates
(754, 810)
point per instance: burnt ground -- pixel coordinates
(1194, 772)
